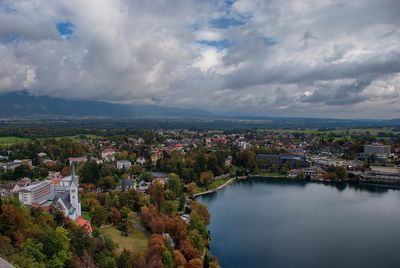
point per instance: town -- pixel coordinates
(139, 187)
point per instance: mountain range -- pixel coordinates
(22, 104)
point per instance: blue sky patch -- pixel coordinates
(10, 38)
(220, 44)
(7, 8)
(66, 29)
(226, 22)
(270, 41)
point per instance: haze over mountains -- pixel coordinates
(22, 104)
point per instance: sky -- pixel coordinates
(303, 58)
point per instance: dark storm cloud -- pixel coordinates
(297, 57)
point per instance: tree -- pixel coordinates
(192, 188)
(174, 184)
(341, 172)
(66, 171)
(155, 251)
(99, 215)
(168, 260)
(43, 172)
(188, 250)
(90, 172)
(177, 228)
(157, 225)
(147, 176)
(195, 263)
(197, 240)
(156, 192)
(136, 169)
(200, 210)
(206, 178)
(107, 183)
(22, 171)
(179, 259)
(122, 155)
(34, 250)
(182, 202)
(214, 263)
(169, 207)
(115, 216)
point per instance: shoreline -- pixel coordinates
(283, 177)
(231, 180)
(361, 182)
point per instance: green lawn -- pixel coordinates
(86, 215)
(271, 174)
(79, 137)
(136, 242)
(213, 185)
(11, 140)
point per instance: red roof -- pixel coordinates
(85, 224)
(56, 181)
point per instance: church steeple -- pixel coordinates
(73, 192)
(73, 172)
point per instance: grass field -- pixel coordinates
(79, 137)
(136, 242)
(11, 140)
(271, 174)
(213, 185)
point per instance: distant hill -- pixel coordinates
(22, 104)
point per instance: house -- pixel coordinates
(42, 155)
(243, 144)
(4, 158)
(97, 160)
(81, 159)
(142, 186)
(10, 165)
(123, 164)
(85, 224)
(124, 184)
(108, 155)
(141, 160)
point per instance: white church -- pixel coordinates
(63, 192)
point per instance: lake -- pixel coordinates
(280, 223)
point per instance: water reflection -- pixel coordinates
(269, 222)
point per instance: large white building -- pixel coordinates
(379, 150)
(37, 193)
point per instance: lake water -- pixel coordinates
(275, 223)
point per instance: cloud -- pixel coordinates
(274, 57)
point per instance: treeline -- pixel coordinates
(186, 245)
(31, 237)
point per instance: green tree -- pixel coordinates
(206, 178)
(196, 239)
(168, 260)
(169, 207)
(23, 171)
(174, 184)
(341, 172)
(107, 183)
(90, 172)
